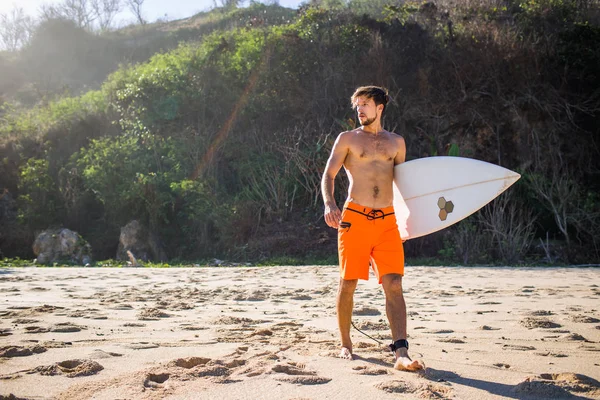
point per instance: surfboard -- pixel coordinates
(433, 193)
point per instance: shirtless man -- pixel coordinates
(367, 229)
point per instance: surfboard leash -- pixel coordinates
(370, 337)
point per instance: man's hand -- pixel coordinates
(332, 215)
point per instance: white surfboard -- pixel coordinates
(433, 193)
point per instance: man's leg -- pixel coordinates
(395, 308)
(345, 304)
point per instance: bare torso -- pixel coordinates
(369, 163)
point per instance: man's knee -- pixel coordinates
(347, 287)
(392, 284)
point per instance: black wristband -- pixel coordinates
(399, 344)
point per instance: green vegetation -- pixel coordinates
(215, 133)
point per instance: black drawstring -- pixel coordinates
(373, 214)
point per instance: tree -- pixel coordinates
(78, 11)
(16, 29)
(136, 8)
(106, 10)
(226, 4)
(87, 14)
(61, 55)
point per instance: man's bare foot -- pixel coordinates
(405, 363)
(346, 354)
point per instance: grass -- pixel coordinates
(270, 262)
(275, 261)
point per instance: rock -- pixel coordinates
(138, 243)
(62, 245)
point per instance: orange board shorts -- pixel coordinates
(369, 236)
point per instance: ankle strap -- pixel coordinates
(399, 344)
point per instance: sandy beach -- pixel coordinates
(271, 333)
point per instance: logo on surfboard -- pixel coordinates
(446, 207)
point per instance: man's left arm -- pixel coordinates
(401, 153)
(400, 157)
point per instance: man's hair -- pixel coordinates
(377, 93)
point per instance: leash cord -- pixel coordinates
(370, 337)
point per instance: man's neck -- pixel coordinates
(374, 128)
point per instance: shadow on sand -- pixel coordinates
(499, 389)
(495, 388)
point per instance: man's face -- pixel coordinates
(366, 110)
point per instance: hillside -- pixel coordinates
(214, 131)
(65, 59)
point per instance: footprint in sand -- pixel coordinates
(140, 345)
(69, 368)
(228, 320)
(304, 380)
(181, 306)
(21, 351)
(372, 326)
(575, 337)
(39, 289)
(451, 340)
(441, 331)
(122, 307)
(155, 380)
(287, 325)
(531, 323)
(517, 347)
(424, 391)
(184, 369)
(152, 314)
(97, 316)
(190, 327)
(540, 313)
(435, 375)
(366, 311)
(562, 385)
(262, 332)
(24, 321)
(35, 329)
(292, 368)
(488, 328)
(76, 314)
(301, 297)
(23, 311)
(100, 354)
(298, 374)
(66, 327)
(551, 354)
(47, 309)
(218, 371)
(365, 370)
(190, 362)
(256, 295)
(133, 325)
(584, 319)
(368, 345)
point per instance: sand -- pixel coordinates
(271, 333)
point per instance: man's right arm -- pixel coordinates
(332, 213)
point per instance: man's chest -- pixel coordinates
(373, 149)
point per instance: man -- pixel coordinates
(367, 229)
